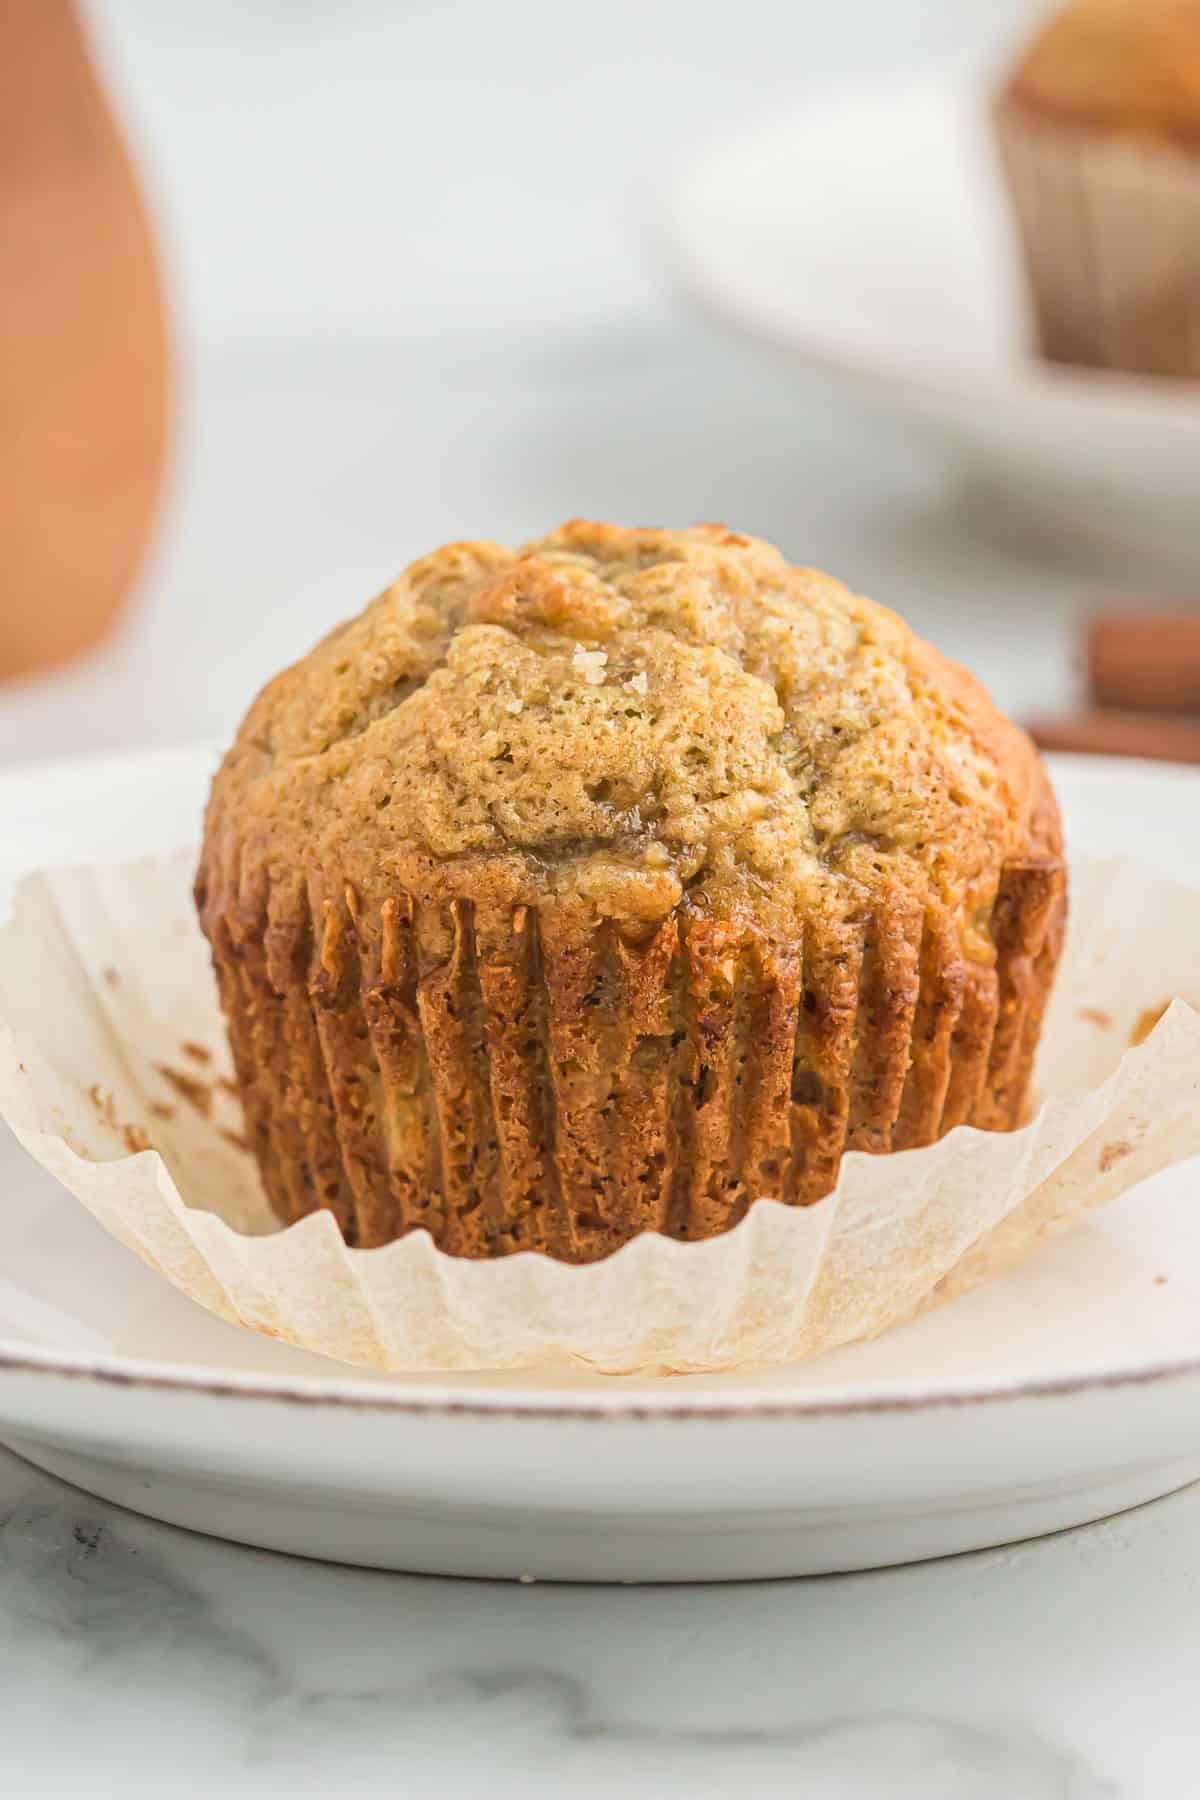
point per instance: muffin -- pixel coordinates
(1099, 132)
(607, 885)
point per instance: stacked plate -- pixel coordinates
(867, 237)
(1062, 1392)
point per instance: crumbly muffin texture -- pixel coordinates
(610, 883)
(1125, 65)
(640, 716)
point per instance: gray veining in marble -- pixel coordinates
(136, 1659)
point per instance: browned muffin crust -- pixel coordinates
(1116, 65)
(606, 885)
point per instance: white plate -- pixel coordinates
(1069, 1390)
(868, 236)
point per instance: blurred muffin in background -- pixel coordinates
(1099, 133)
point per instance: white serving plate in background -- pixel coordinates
(1067, 1390)
(866, 236)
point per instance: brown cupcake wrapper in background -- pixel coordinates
(562, 1087)
(1109, 224)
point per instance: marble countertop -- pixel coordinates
(139, 1660)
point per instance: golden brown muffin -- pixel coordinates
(609, 884)
(1099, 130)
(1117, 65)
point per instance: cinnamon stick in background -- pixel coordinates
(1101, 731)
(1149, 662)
(1143, 700)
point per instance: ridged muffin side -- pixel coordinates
(487, 1022)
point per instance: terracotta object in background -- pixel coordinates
(82, 346)
(1148, 661)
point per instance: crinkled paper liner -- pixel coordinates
(1109, 224)
(113, 1043)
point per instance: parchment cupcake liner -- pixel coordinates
(115, 1075)
(1109, 224)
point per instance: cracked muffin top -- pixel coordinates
(1123, 65)
(643, 720)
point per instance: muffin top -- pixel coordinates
(1122, 65)
(645, 720)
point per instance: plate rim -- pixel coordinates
(585, 1406)
(117, 1372)
(865, 359)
